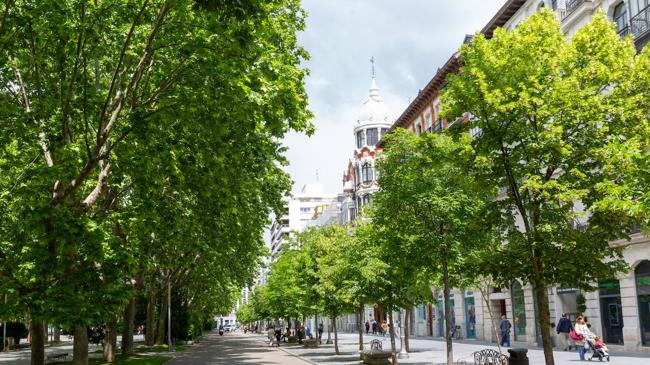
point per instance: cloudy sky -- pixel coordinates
(409, 40)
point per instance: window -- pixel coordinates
(636, 6)
(358, 173)
(437, 126)
(427, 122)
(367, 173)
(361, 139)
(373, 136)
(620, 18)
(305, 210)
(418, 129)
(366, 199)
(384, 131)
(475, 132)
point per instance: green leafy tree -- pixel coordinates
(103, 103)
(550, 113)
(428, 209)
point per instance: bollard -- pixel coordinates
(518, 357)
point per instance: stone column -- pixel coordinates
(531, 322)
(629, 303)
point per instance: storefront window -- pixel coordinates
(518, 312)
(470, 314)
(611, 311)
(642, 278)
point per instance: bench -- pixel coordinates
(57, 356)
(376, 355)
(490, 357)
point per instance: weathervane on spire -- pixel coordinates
(372, 61)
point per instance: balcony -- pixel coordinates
(572, 5)
(640, 23)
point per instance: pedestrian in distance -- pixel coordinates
(367, 326)
(505, 327)
(320, 332)
(278, 336)
(563, 329)
(374, 327)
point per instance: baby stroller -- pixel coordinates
(598, 353)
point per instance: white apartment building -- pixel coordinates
(298, 212)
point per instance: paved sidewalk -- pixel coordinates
(428, 351)
(235, 348)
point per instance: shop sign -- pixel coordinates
(564, 290)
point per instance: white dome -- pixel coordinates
(374, 110)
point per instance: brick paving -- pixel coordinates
(235, 348)
(429, 351)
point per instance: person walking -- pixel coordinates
(505, 327)
(581, 331)
(374, 327)
(564, 327)
(320, 332)
(367, 326)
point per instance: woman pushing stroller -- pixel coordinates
(586, 340)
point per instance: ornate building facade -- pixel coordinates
(360, 177)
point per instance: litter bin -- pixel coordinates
(518, 357)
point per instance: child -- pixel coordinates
(600, 346)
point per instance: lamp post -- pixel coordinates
(402, 353)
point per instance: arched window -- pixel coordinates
(361, 139)
(642, 279)
(620, 18)
(373, 136)
(367, 173)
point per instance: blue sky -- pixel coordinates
(409, 40)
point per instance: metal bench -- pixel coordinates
(490, 357)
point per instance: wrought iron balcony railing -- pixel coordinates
(572, 5)
(640, 23)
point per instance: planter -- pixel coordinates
(312, 343)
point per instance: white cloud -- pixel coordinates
(409, 39)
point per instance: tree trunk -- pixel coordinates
(489, 309)
(127, 331)
(162, 321)
(445, 278)
(38, 343)
(336, 335)
(80, 345)
(56, 333)
(407, 319)
(110, 342)
(150, 324)
(544, 322)
(360, 324)
(45, 332)
(391, 328)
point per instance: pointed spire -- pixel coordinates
(374, 91)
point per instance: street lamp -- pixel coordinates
(402, 353)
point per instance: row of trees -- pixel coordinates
(140, 158)
(555, 169)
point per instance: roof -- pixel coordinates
(452, 65)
